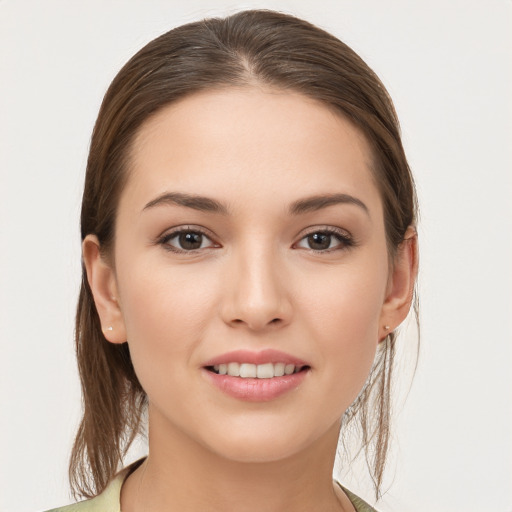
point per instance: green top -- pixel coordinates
(109, 499)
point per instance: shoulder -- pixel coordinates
(359, 504)
(107, 501)
(91, 505)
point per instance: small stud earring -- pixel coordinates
(386, 327)
(109, 328)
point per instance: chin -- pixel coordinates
(265, 443)
(258, 452)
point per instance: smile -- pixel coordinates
(256, 371)
(256, 376)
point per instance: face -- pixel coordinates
(250, 239)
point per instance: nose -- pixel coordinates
(256, 295)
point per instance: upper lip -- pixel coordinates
(252, 357)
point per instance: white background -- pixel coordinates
(447, 64)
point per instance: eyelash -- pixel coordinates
(165, 239)
(345, 240)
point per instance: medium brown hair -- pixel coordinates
(262, 47)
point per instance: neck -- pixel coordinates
(180, 474)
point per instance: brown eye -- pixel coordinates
(190, 241)
(325, 241)
(186, 240)
(319, 241)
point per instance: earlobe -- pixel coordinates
(400, 289)
(102, 281)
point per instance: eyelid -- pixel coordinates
(170, 233)
(346, 239)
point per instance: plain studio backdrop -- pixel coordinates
(447, 65)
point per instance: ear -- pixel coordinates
(102, 281)
(400, 288)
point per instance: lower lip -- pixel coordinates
(256, 390)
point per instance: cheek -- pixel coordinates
(347, 301)
(166, 311)
(344, 318)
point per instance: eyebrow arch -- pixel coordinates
(207, 204)
(323, 201)
(201, 203)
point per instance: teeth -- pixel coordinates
(265, 371)
(289, 369)
(259, 371)
(234, 369)
(279, 369)
(247, 370)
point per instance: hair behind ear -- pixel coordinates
(113, 402)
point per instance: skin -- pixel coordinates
(256, 282)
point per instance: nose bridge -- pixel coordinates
(258, 295)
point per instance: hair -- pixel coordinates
(250, 47)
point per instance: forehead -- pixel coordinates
(250, 144)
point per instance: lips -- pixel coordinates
(260, 357)
(256, 376)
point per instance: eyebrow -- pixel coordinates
(314, 203)
(201, 203)
(207, 204)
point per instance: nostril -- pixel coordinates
(257, 324)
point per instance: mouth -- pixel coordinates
(256, 371)
(259, 376)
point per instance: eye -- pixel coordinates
(325, 240)
(185, 240)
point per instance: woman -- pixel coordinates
(249, 249)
